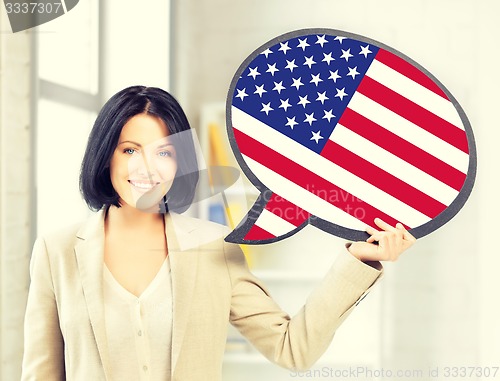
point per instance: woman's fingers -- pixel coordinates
(388, 228)
(384, 225)
(391, 242)
(406, 234)
(372, 232)
(375, 237)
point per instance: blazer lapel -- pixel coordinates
(90, 255)
(183, 253)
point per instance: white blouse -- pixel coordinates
(139, 329)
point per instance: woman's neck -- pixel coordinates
(127, 217)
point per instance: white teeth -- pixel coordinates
(142, 185)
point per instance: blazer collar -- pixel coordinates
(183, 247)
(89, 252)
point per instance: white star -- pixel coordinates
(284, 47)
(346, 54)
(253, 72)
(291, 122)
(266, 108)
(285, 104)
(316, 136)
(297, 83)
(328, 115)
(322, 97)
(341, 94)
(290, 65)
(272, 69)
(339, 39)
(365, 50)
(278, 87)
(241, 94)
(328, 58)
(321, 40)
(315, 79)
(310, 119)
(334, 75)
(353, 72)
(303, 44)
(303, 101)
(259, 90)
(267, 52)
(309, 61)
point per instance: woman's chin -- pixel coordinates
(150, 201)
(146, 204)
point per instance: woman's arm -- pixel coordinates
(298, 342)
(43, 342)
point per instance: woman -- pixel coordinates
(140, 292)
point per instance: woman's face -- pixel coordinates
(144, 163)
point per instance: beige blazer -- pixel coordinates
(65, 335)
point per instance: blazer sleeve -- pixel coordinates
(43, 342)
(296, 343)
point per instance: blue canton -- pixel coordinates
(301, 87)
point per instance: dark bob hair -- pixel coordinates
(95, 180)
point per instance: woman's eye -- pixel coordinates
(129, 151)
(165, 154)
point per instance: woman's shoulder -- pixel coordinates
(71, 234)
(192, 232)
(190, 223)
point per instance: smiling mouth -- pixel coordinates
(143, 184)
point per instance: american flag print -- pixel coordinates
(335, 129)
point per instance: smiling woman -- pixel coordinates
(141, 292)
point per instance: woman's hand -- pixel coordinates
(392, 241)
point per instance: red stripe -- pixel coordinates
(286, 210)
(408, 70)
(256, 233)
(310, 181)
(414, 113)
(376, 176)
(403, 149)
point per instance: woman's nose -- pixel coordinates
(144, 165)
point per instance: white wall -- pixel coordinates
(439, 302)
(130, 46)
(136, 44)
(15, 171)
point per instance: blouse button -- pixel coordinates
(145, 368)
(139, 333)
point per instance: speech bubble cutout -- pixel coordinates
(28, 14)
(335, 129)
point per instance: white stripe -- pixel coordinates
(393, 165)
(303, 198)
(409, 131)
(326, 169)
(63, 3)
(415, 92)
(274, 224)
